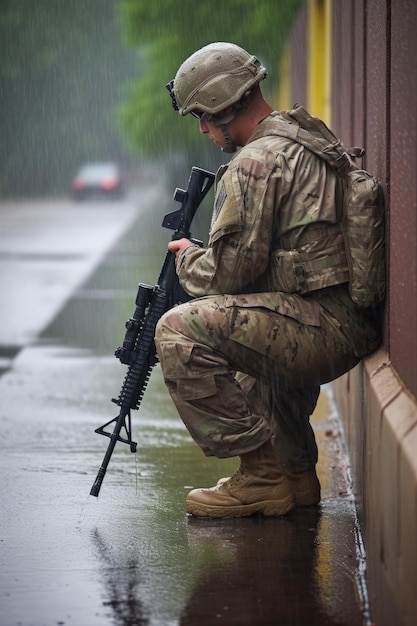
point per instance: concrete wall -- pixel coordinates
(374, 105)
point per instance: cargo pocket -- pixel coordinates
(188, 369)
(196, 388)
(288, 271)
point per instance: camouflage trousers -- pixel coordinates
(241, 375)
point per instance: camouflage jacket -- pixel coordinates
(275, 225)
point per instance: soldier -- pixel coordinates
(244, 361)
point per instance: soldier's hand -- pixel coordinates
(178, 245)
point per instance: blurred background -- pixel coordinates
(85, 82)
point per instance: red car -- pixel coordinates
(97, 179)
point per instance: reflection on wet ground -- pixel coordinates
(132, 557)
(264, 571)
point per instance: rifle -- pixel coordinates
(138, 350)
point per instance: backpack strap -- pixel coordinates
(312, 133)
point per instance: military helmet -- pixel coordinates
(214, 77)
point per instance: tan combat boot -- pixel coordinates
(305, 485)
(258, 486)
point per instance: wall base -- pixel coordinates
(380, 421)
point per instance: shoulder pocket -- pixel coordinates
(228, 208)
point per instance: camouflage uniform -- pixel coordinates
(273, 319)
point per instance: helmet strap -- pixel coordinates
(230, 146)
(224, 121)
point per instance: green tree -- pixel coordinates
(168, 32)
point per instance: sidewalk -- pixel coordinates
(34, 233)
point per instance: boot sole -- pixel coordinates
(269, 508)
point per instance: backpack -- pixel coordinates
(361, 206)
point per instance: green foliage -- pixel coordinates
(171, 30)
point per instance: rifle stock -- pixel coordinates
(138, 350)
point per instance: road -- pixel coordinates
(68, 278)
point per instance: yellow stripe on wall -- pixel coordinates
(319, 41)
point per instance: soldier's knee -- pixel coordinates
(169, 322)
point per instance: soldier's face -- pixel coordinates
(213, 131)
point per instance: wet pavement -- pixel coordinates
(131, 556)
